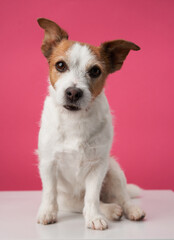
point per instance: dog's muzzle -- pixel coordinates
(73, 95)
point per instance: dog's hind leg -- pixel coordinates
(115, 190)
(111, 211)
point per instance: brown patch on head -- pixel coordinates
(97, 84)
(59, 54)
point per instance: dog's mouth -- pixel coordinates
(71, 107)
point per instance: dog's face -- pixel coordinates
(77, 74)
(78, 71)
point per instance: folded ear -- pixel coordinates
(114, 53)
(53, 35)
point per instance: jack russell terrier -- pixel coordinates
(77, 172)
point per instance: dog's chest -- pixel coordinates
(71, 136)
(72, 159)
(73, 167)
(76, 147)
(75, 141)
(72, 144)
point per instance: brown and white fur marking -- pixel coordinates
(76, 132)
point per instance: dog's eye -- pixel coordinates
(61, 66)
(94, 72)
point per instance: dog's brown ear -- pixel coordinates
(53, 35)
(114, 53)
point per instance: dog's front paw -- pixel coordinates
(47, 215)
(135, 213)
(97, 223)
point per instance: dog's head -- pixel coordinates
(77, 70)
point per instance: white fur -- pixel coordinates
(74, 151)
(133, 190)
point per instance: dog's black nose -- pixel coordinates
(73, 94)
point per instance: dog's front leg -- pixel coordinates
(93, 218)
(48, 209)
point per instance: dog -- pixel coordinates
(77, 172)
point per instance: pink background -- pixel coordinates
(141, 94)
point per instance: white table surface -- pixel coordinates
(18, 219)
